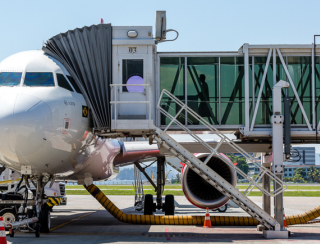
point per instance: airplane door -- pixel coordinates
(132, 70)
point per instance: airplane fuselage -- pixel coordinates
(48, 126)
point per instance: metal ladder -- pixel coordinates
(164, 140)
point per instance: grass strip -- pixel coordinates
(107, 187)
(168, 187)
(180, 193)
(123, 192)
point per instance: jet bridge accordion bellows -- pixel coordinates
(86, 54)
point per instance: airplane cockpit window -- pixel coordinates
(73, 83)
(62, 82)
(38, 79)
(10, 78)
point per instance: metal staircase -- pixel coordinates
(164, 140)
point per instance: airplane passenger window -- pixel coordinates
(62, 82)
(38, 79)
(10, 78)
(73, 83)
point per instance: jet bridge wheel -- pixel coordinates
(169, 205)
(149, 206)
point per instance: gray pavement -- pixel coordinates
(83, 221)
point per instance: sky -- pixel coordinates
(202, 25)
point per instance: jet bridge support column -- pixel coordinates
(277, 149)
(266, 200)
(266, 160)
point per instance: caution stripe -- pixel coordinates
(54, 201)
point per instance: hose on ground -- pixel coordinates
(166, 220)
(190, 220)
(303, 218)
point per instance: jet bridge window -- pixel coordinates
(10, 78)
(39, 79)
(62, 82)
(132, 73)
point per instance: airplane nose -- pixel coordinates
(25, 121)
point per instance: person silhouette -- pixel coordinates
(204, 97)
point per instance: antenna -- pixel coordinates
(161, 27)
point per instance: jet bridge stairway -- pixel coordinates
(165, 141)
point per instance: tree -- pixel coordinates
(178, 177)
(241, 162)
(300, 171)
(288, 179)
(313, 174)
(298, 178)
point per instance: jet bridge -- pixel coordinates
(133, 90)
(121, 75)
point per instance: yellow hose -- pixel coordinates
(303, 218)
(166, 220)
(189, 220)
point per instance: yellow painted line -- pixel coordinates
(68, 222)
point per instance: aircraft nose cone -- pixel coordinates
(25, 121)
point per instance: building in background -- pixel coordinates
(253, 170)
(308, 158)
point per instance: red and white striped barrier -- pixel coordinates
(3, 237)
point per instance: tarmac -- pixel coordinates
(83, 220)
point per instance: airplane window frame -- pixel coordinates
(63, 83)
(37, 85)
(74, 84)
(1, 85)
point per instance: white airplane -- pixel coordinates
(46, 132)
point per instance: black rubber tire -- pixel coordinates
(169, 205)
(37, 229)
(45, 220)
(223, 208)
(148, 204)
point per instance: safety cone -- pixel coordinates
(3, 238)
(284, 220)
(207, 220)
